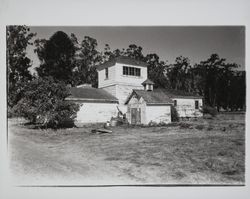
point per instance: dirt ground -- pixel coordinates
(208, 151)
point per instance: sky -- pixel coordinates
(197, 43)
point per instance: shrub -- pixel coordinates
(44, 103)
(185, 125)
(10, 112)
(174, 114)
(152, 123)
(209, 110)
(200, 127)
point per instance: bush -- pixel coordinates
(200, 127)
(44, 103)
(174, 115)
(209, 110)
(185, 126)
(10, 112)
(152, 123)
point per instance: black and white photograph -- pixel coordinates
(135, 105)
(124, 99)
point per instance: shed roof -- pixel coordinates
(147, 81)
(90, 94)
(162, 96)
(151, 97)
(122, 60)
(180, 94)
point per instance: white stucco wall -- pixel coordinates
(96, 112)
(158, 114)
(186, 107)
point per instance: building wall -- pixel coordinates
(158, 114)
(102, 81)
(96, 112)
(116, 76)
(132, 80)
(111, 89)
(123, 91)
(137, 103)
(149, 113)
(186, 107)
(120, 85)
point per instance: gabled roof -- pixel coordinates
(147, 81)
(179, 94)
(151, 97)
(122, 60)
(90, 94)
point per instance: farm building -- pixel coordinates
(97, 105)
(123, 86)
(144, 107)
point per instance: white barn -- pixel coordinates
(123, 85)
(97, 105)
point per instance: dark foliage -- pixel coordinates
(174, 114)
(56, 56)
(18, 39)
(44, 103)
(86, 58)
(209, 110)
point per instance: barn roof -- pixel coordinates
(151, 97)
(180, 94)
(90, 94)
(162, 96)
(122, 60)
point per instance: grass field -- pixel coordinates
(208, 151)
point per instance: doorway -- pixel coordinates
(135, 116)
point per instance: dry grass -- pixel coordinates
(191, 152)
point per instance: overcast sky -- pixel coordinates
(196, 43)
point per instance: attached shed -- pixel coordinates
(144, 106)
(97, 105)
(187, 104)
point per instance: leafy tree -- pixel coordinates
(214, 76)
(56, 56)
(87, 56)
(44, 103)
(18, 39)
(157, 70)
(135, 52)
(237, 88)
(180, 75)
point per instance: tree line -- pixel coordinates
(66, 60)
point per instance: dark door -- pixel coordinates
(135, 115)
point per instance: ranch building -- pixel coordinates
(124, 87)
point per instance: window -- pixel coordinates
(131, 71)
(138, 72)
(150, 87)
(106, 73)
(175, 102)
(196, 104)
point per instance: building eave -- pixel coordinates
(159, 104)
(91, 100)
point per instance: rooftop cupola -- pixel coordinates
(148, 85)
